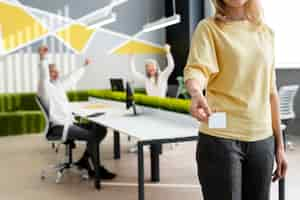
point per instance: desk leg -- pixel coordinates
(97, 168)
(155, 151)
(141, 180)
(117, 154)
(281, 183)
(282, 189)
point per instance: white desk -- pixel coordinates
(151, 127)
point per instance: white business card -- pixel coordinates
(217, 120)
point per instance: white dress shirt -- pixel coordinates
(53, 95)
(158, 89)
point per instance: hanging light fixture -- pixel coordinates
(1, 40)
(102, 16)
(163, 22)
(108, 20)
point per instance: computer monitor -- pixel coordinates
(117, 84)
(130, 98)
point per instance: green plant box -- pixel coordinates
(19, 113)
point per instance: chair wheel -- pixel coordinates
(85, 177)
(43, 177)
(97, 186)
(59, 177)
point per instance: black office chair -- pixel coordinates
(66, 165)
(117, 84)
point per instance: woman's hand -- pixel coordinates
(87, 62)
(199, 108)
(43, 50)
(281, 162)
(167, 48)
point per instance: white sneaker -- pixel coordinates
(133, 149)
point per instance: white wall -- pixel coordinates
(105, 66)
(110, 66)
(19, 72)
(131, 17)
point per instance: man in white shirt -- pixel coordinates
(52, 91)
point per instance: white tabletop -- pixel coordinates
(150, 124)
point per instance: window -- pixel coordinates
(283, 17)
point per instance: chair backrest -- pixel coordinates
(181, 90)
(117, 84)
(287, 96)
(45, 114)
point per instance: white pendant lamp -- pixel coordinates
(163, 22)
(108, 20)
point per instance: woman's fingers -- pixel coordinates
(275, 176)
(206, 109)
(200, 109)
(282, 167)
(199, 114)
(202, 115)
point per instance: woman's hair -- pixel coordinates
(254, 11)
(155, 63)
(52, 65)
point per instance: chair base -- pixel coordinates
(61, 168)
(290, 146)
(60, 171)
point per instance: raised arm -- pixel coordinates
(44, 77)
(137, 75)
(171, 65)
(201, 64)
(68, 81)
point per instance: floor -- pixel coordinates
(23, 157)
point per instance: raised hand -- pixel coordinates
(43, 50)
(87, 62)
(167, 48)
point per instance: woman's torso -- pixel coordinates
(241, 88)
(156, 88)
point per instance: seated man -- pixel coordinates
(51, 90)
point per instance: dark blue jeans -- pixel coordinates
(235, 170)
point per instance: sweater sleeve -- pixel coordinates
(273, 84)
(137, 75)
(44, 81)
(170, 67)
(202, 60)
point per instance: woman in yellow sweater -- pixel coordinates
(232, 58)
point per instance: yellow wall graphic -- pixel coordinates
(18, 27)
(76, 36)
(139, 47)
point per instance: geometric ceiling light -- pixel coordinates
(102, 16)
(138, 47)
(163, 22)
(18, 27)
(107, 20)
(21, 27)
(1, 41)
(76, 36)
